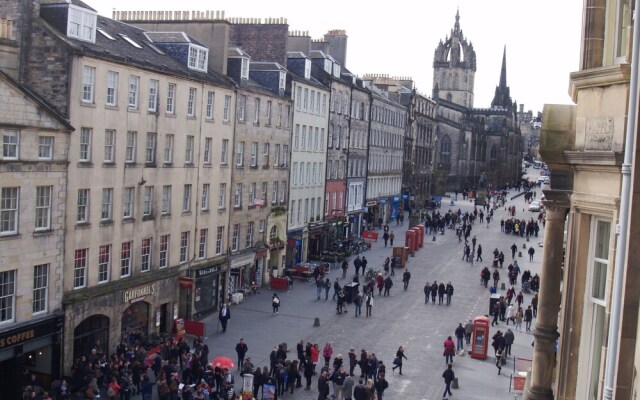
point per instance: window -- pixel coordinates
(80, 268)
(205, 196)
(85, 144)
(127, 204)
(237, 196)
(240, 155)
(112, 89)
(252, 193)
(235, 237)
(168, 148)
(164, 251)
(134, 82)
(10, 144)
(445, 150)
(88, 84)
(147, 207)
(45, 147)
(326, 202)
(312, 103)
(242, 105)
(191, 102)
(222, 196)
(256, 111)
(82, 215)
(145, 255)
(283, 190)
(276, 155)
(107, 204)
(43, 208)
(104, 263)
(202, 247)
(186, 198)
(285, 155)
(273, 233)
(249, 236)
(40, 288)
(81, 24)
(184, 247)
(224, 152)
(299, 97)
(153, 95)
(171, 98)
(130, 147)
(166, 199)
(303, 143)
(150, 154)
(268, 112)
(188, 157)
(198, 57)
(265, 153)
(279, 116)
(210, 100)
(261, 225)
(7, 295)
(274, 192)
(244, 68)
(264, 192)
(208, 142)
(254, 154)
(125, 259)
(287, 117)
(226, 116)
(109, 145)
(219, 240)
(296, 136)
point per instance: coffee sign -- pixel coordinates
(139, 293)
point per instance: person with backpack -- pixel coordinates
(275, 303)
(369, 304)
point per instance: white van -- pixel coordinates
(537, 164)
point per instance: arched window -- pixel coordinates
(445, 150)
(493, 156)
(273, 233)
(85, 335)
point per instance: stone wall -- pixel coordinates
(263, 42)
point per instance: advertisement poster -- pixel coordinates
(247, 387)
(180, 331)
(268, 392)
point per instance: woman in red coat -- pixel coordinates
(315, 354)
(449, 350)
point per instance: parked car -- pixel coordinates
(535, 206)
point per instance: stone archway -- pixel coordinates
(91, 329)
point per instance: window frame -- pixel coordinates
(171, 99)
(133, 92)
(106, 213)
(152, 104)
(46, 148)
(126, 259)
(40, 297)
(44, 202)
(104, 263)
(146, 255)
(8, 289)
(83, 194)
(80, 268)
(112, 89)
(86, 138)
(88, 84)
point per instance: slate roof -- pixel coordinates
(266, 66)
(120, 51)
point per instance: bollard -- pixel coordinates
(502, 286)
(316, 322)
(527, 238)
(434, 238)
(524, 245)
(519, 254)
(454, 384)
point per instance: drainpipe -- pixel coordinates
(613, 341)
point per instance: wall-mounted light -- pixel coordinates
(142, 181)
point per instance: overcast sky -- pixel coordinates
(398, 38)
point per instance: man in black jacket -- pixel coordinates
(381, 385)
(224, 315)
(360, 391)
(448, 376)
(323, 386)
(442, 289)
(241, 349)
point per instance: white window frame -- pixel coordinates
(224, 152)
(211, 96)
(219, 240)
(206, 189)
(8, 282)
(131, 147)
(86, 135)
(249, 235)
(150, 151)
(242, 107)
(126, 260)
(208, 144)
(252, 193)
(186, 198)
(81, 23)
(184, 246)
(147, 204)
(237, 196)
(112, 89)
(164, 251)
(256, 111)
(188, 157)
(254, 154)
(152, 105)
(128, 196)
(80, 262)
(191, 102)
(104, 263)
(88, 84)
(134, 88)
(222, 196)
(166, 200)
(45, 147)
(235, 237)
(82, 210)
(202, 245)
(168, 148)
(43, 208)
(9, 210)
(107, 205)
(265, 153)
(198, 57)
(261, 225)
(40, 302)
(146, 254)
(240, 155)
(226, 115)
(109, 146)
(171, 98)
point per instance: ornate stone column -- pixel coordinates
(546, 329)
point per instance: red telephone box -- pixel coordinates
(480, 338)
(410, 240)
(420, 235)
(416, 237)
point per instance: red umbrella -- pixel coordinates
(223, 362)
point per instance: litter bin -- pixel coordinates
(350, 291)
(492, 301)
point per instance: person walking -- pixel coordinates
(381, 385)
(479, 252)
(514, 248)
(534, 305)
(448, 377)
(496, 313)
(347, 387)
(434, 291)
(427, 292)
(353, 360)
(459, 333)
(319, 286)
(358, 304)
(327, 287)
(341, 301)
(441, 291)
(531, 252)
(509, 338)
(528, 317)
(397, 362)
(393, 266)
(364, 264)
(368, 304)
(511, 314)
(357, 263)
(499, 359)
(323, 385)
(449, 292)
(388, 283)
(275, 303)
(391, 237)
(385, 237)
(327, 352)
(498, 342)
(379, 283)
(449, 350)
(336, 289)
(223, 316)
(241, 350)
(406, 276)
(468, 330)
(518, 319)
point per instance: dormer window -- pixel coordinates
(307, 69)
(336, 70)
(282, 83)
(244, 71)
(327, 66)
(198, 57)
(81, 24)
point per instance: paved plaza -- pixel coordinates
(400, 319)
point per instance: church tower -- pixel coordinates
(502, 97)
(454, 68)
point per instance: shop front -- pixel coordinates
(32, 347)
(317, 242)
(295, 248)
(240, 269)
(132, 313)
(208, 282)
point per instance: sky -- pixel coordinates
(398, 38)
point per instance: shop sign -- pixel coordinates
(34, 331)
(207, 271)
(185, 282)
(371, 203)
(258, 202)
(139, 293)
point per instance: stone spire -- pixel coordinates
(502, 98)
